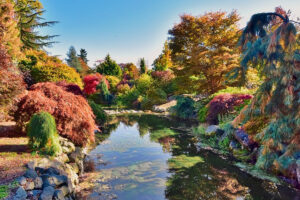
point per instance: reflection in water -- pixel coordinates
(147, 157)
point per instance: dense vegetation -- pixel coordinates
(247, 82)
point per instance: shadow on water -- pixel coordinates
(151, 157)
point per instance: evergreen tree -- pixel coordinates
(29, 15)
(73, 60)
(83, 55)
(143, 67)
(109, 67)
(275, 48)
(163, 62)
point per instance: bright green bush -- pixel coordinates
(128, 98)
(101, 116)
(234, 90)
(143, 83)
(42, 133)
(202, 114)
(113, 82)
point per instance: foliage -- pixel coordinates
(30, 18)
(131, 71)
(199, 131)
(99, 113)
(143, 66)
(128, 97)
(183, 161)
(9, 32)
(73, 60)
(233, 90)
(204, 50)
(185, 108)
(105, 96)
(224, 104)
(72, 113)
(163, 62)
(83, 55)
(113, 83)
(43, 135)
(143, 83)
(123, 88)
(156, 96)
(163, 76)
(161, 133)
(92, 81)
(274, 48)
(202, 114)
(109, 67)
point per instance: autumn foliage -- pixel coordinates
(91, 81)
(72, 113)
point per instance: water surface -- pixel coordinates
(151, 158)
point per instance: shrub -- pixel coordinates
(109, 67)
(113, 82)
(131, 70)
(99, 113)
(123, 88)
(224, 104)
(128, 98)
(143, 83)
(73, 115)
(157, 96)
(185, 108)
(55, 72)
(92, 81)
(203, 114)
(43, 135)
(164, 76)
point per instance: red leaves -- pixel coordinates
(73, 115)
(164, 76)
(91, 82)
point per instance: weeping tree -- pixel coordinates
(270, 42)
(29, 13)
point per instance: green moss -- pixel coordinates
(43, 135)
(183, 161)
(158, 134)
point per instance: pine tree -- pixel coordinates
(29, 15)
(73, 60)
(109, 67)
(83, 55)
(274, 47)
(143, 67)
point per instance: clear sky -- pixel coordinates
(131, 29)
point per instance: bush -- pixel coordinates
(143, 83)
(54, 73)
(92, 81)
(203, 114)
(185, 108)
(101, 116)
(128, 99)
(43, 135)
(224, 104)
(73, 115)
(113, 82)
(123, 88)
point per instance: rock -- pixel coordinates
(20, 194)
(54, 180)
(77, 155)
(233, 145)
(62, 158)
(30, 173)
(65, 190)
(22, 180)
(47, 193)
(211, 130)
(58, 195)
(75, 167)
(36, 192)
(242, 137)
(31, 165)
(40, 170)
(51, 171)
(67, 145)
(164, 107)
(38, 183)
(29, 185)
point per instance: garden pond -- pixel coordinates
(151, 157)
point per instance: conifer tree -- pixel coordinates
(109, 67)
(143, 67)
(83, 55)
(29, 15)
(73, 60)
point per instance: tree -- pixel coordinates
(274, 47)
(109, 67)
(131, 70)
(204, 50)
(163, 62)
(143, 67)
(29, 15)
(73, 60)
(83, 55)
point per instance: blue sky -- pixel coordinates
(131, 29)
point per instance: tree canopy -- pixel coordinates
(109, 67)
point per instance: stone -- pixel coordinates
(47, 193)
(38, 183)
(22, 180)
(31, 165)
(233, 145)
(75, 167)
(58, 195)
(51, 171)
(67, 146)
(20, 194)
(54, 180)
(30, 173)
(36, 192)
(211, 130)
(40, 170)
(243, 138)
(29, 185)
(62, 158)
(65, 190)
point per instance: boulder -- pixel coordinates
(54, 180)
(243, 138)
(51, 171)
(29, 185)
(67, 145)
(22, 180)
(20, 194)
(38, 183)
(30, 173)
(58, 195)
(47, 193)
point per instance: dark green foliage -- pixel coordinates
(29, 13)
(42, 133)
(83, 55)
(73, 60)
(143, 67)
(109, 67)
(101, 116)
(105, 96)
(185, 108)
(203, 114)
